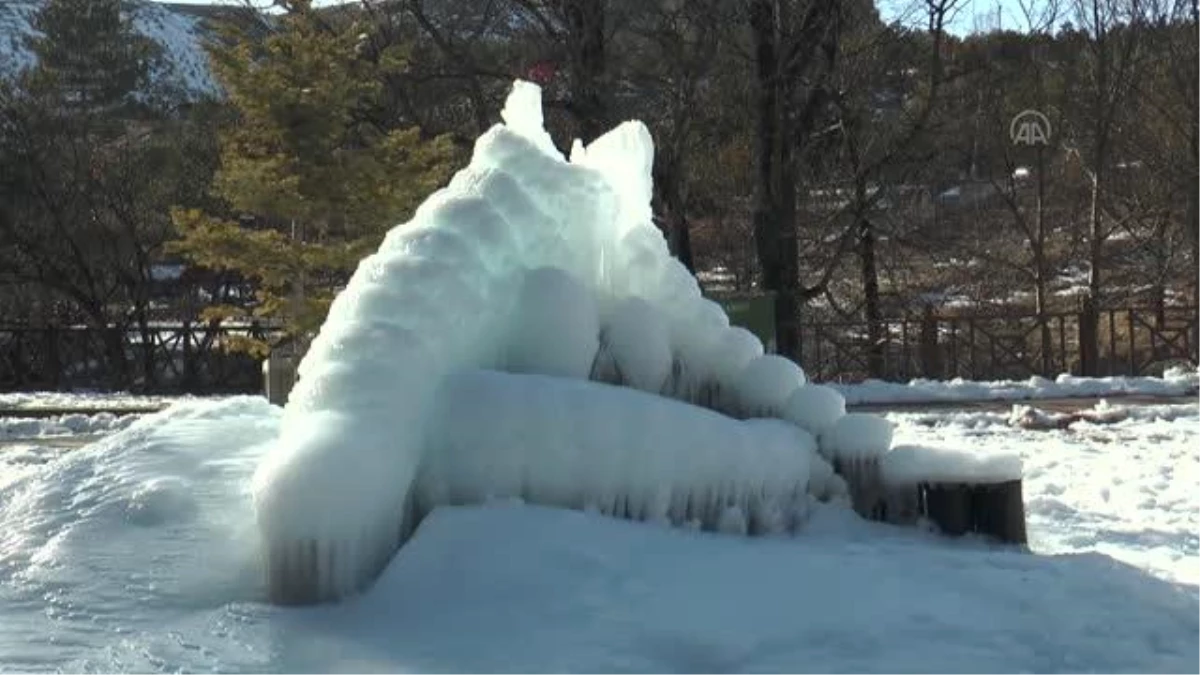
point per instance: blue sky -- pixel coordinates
(972, 14)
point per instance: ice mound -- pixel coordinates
(528, 263)
(589, 446)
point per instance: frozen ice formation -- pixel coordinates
(455, 366)
(588, 446)
(857, 435)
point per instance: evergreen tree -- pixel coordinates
(89, 171)
(89, 56)
(321, 178)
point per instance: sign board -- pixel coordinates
(753, 311)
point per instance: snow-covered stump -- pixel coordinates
(960, 492)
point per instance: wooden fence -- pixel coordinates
(193, 358)
(169, 358)
(1126, 341)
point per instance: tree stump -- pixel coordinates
(999, 510)
(991, 509)
(950, 506)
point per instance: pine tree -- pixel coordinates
(320, 177)
(89, 56)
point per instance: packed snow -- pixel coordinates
(62, 425)
(85, 401)
(912, 464)
(1175, 381)
(140, 553)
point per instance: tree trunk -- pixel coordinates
(585, 26)
(669, 206)
(871, 309)
(1192, 225)
(1095, 241)
(1039, 267)
(767, 140)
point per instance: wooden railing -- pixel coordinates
(169, 358)
(193, 358)
(1125, 341)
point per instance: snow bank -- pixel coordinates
(588, 446)
(911, 464)
(1174, 382)
(91, 401)
(63, 425)
(535, 589)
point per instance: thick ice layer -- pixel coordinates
(635, 347)
(911, 464)
(765, 383)
(814, 408)
(556, 327)
(857, 435)
(590, 446)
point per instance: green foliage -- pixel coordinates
(308, 159)
(88, 56)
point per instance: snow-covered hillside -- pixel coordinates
(181, 36)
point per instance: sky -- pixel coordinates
(972, 15)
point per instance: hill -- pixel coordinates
(180, 29)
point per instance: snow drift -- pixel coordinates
(552, 268)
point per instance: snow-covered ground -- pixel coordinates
(85, 401)
(139, 553)
(1174, 382)
(12, 428)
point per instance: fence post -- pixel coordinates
(1089, 347)
(54, 369)
(931, 362)
(1133, 359)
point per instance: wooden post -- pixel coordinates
(999, 511)
(1089, 349)
(949, 505)
(279, 375)
(931, 362)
